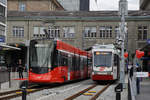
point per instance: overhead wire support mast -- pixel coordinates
(123, 11)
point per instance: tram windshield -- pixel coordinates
(41, 54)
(102, 59)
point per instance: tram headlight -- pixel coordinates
(92, 73)
(30, 69)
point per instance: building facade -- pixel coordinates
(33, 5)
(75, 5)
(3, 17)
(144, 4)
(81, 29)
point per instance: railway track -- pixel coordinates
(16, 93)
(94, 97)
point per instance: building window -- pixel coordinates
(117, 32)
(54, 32)
(142, 32)
(18, 31)
(38, 31)
(2, 11)
(2, 30)
(22, 6)
(69, 32)
(90, 32)
(105, 31)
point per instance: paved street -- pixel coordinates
(144, 90)
(64, 91)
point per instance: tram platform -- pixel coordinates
(13, 83)
(144, 90)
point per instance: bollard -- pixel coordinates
(118, 90)
(118, 96)
(24, 93)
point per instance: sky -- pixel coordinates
(112, 5)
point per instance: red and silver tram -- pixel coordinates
(53, 61)
(105, 65)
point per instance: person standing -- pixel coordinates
(138, 69)
(20, 68)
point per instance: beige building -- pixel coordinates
(81, 29)
(33, 5)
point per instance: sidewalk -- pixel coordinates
(144, 90)
(14, 82)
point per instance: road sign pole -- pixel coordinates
(122, 13)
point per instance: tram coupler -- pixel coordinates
(24, 93)
(118, 90)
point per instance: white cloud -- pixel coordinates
(112, 4)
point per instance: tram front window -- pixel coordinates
(40, 57)
(102, 59)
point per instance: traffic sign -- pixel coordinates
(148, 41)
(142, 74)
(2, 39)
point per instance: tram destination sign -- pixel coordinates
(142, 74)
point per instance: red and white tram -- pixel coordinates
(106, 63)
(54, 61)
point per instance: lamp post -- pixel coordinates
(122, 32)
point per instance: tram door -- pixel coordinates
(81, 67)
(69, 66)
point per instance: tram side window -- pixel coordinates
(59, 58)
(84, 63)
(63, 61)
(81, 63)
(73, 63)
(78, 63)
(55, 58)
(70, 62)
(89, 62)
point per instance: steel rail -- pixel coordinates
(80, 93)
(15, 94)
(100, 92)
(13, 91)
(9, 92)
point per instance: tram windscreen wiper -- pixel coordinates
(100, 65)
